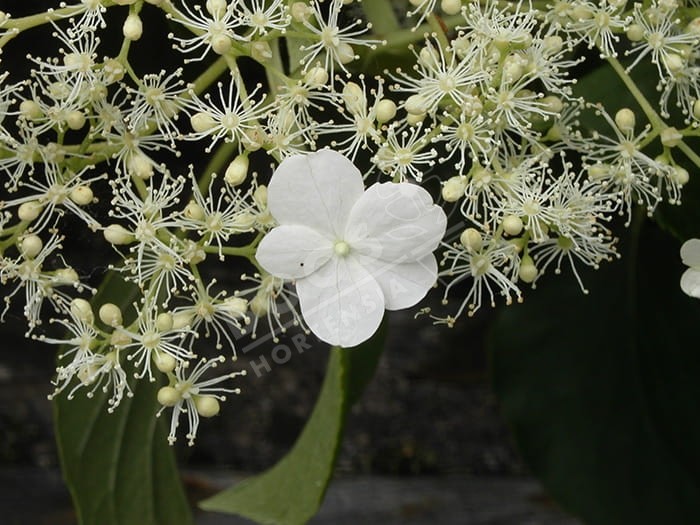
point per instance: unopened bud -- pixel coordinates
(512, 225)
(82, 310)
(30, 246)
(385, 110)
(471, 240)
(237, 170)
(28, 211)
(207, 406)
(454, 188)
(133, 27)
(110, 314)
(202, 122)
(625, 120)
(82, 195)
(116, 234)
(168, 396)
(527, 271)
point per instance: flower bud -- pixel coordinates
(116, 234)
(260, 196)
(237, 170)
(345, 53)
(110, 314)
(194, 211)
(551, 45)
(165, 362)
(221, 44)
(300, 11)
(168, 396)
(181, 320)
(316, 77)
(354, 98)
(635, 33)
(671, 137)
(133, 27)
(385, 110)
(680, 175)
(454, 188)
(260, 51)
(75, 120)
(66, 276)
(216, 8)
(625, 120)
(471, 240)
(674, 62)
(416, 119)
(30, 110)
(512, 225)
(140, 166)
(30, 246)
(202, 122)
(451, 7)
(527, 271)
(259, 305)
(416, 105)
(82, 310)
(164, 322)
(82, 195)
(28, 211)
(207, 406)
(552, 104)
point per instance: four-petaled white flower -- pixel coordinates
(352, 252)
(690, 280)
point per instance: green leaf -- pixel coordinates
(601, 391)
(119, 467)
(291, 492)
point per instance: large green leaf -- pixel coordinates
(601, 391)
(119, 467)
(291, 491)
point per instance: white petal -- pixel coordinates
(396, 223)
(403, 284)
(316, 190)
(690, 282)
(293, 252)
(690, 252)
(341, 302)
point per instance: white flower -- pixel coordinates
(690, 254)
(352, 252)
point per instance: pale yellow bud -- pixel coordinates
(133, 27)
(237, 170)
(30, 246)
(110, 314)
(207, 406)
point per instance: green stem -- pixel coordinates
(207, 78)
(239, 251)
(653, 117)
(688, 151)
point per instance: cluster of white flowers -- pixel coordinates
(486, 106)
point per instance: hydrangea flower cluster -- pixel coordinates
(158, 166)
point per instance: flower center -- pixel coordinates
(341, 248)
